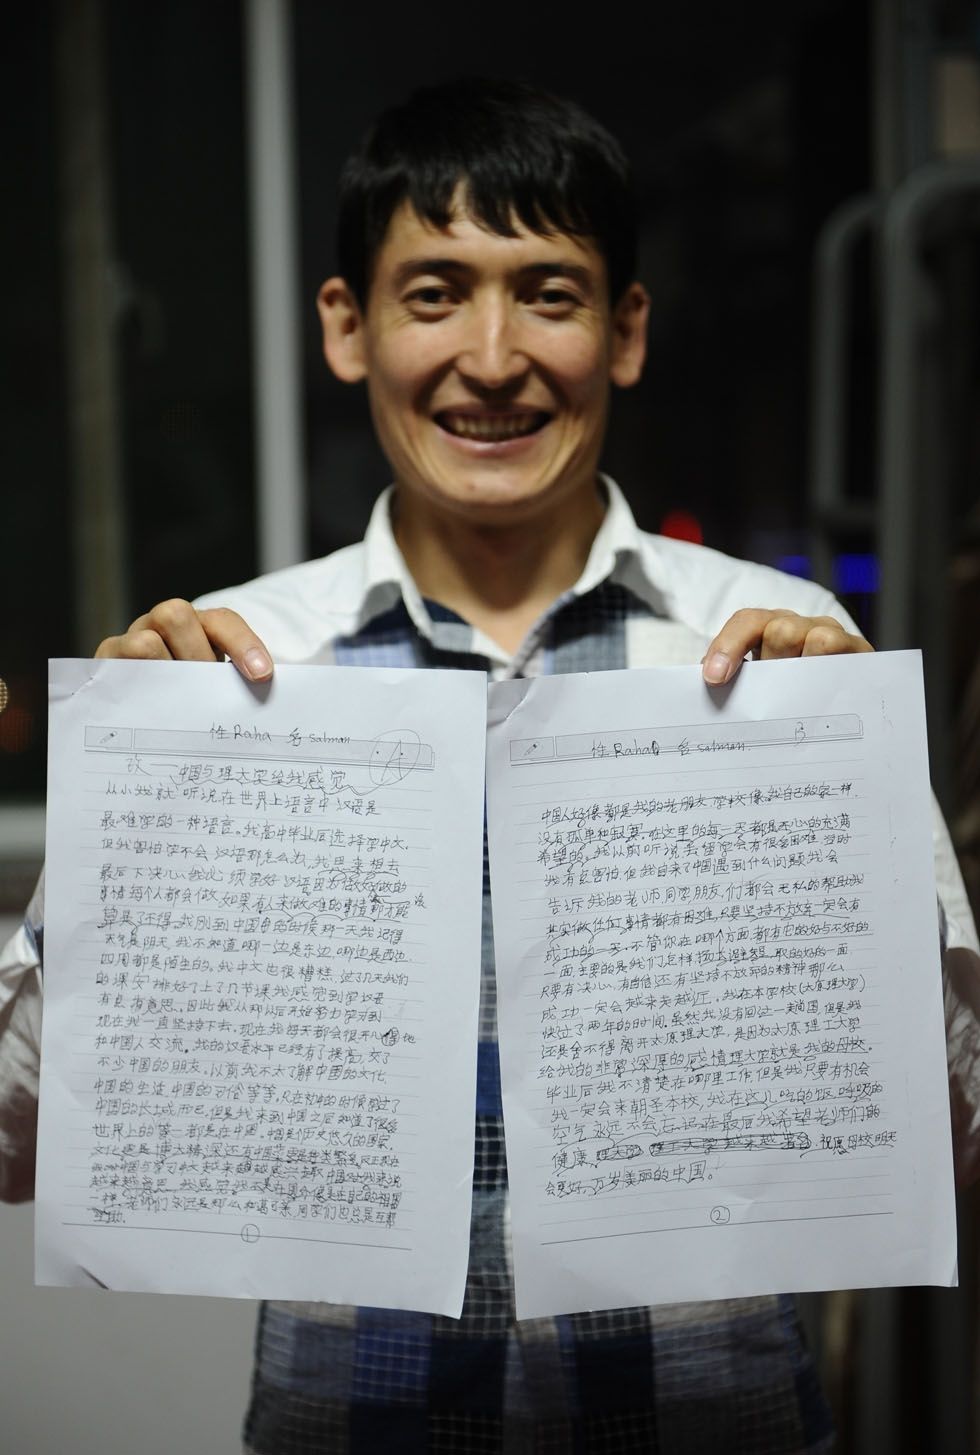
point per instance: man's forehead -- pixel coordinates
(408, 232)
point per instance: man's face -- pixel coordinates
(488, 362)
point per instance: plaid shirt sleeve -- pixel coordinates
(20, 1036)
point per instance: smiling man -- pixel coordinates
(486, 296)
(488, 361)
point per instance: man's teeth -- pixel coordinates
(491, 426)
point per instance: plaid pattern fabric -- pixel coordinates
(683, 1379)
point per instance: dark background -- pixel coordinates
(746, 124)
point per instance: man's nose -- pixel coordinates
(492, 354)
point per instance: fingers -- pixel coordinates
(235, 638)
(134, 644)
(175, 630)
(771, 635)
(179, 628)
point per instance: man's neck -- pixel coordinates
(499, 578)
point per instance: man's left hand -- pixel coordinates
(769, 635)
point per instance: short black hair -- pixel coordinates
(520, 153)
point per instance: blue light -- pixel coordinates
(794, 565)
(856, 573)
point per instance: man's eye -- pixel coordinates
(430, 296)
(556, 299)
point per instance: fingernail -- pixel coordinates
(257, 664)
(717, 668)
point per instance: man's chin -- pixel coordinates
(501, 492)
(500, 502)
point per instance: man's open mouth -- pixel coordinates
(492, 428)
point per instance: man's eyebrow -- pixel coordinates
(415, 267)
(574, 272)
(552, 268)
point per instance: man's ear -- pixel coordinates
(343, 330)
(629, 336)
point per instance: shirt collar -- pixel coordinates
(618, 542)
(386, 576)
(616, 555)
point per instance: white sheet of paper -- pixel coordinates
(262, 957)
(721, 1028)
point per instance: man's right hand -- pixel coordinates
(176, 631)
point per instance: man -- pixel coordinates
(486, 296)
